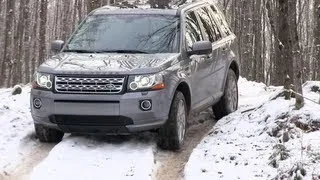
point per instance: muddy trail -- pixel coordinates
(170, 165)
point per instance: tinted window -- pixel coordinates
(211, 31)
(146, 33)
(193, 31)
(220, 20)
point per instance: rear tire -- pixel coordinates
(229, 101)
(172, 134)
(46, 134)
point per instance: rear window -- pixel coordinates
(221, 21)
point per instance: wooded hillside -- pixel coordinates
(275, 37)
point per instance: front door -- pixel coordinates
(201, 65)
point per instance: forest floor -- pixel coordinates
(243, 143)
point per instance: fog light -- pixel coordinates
(37, 103)
(146, 105)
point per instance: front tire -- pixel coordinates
(46, 134)
(229, 101)
(172, 134)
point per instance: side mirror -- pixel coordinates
(57, 45)
(201, 48)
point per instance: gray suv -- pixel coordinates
(132, 70)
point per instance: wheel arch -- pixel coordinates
(235, 67)
(184, 87)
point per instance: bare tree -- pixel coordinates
(317, 40)
(17, 69)
(295, 50)
(6, 62)
(263, 44)
(42, 30)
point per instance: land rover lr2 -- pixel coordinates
(132, 70)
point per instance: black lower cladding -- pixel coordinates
(91, 120)
(92, 124)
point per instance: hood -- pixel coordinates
(83, 63)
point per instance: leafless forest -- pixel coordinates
(275, 37)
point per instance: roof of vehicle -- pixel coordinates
(133, 9)
(113, 10)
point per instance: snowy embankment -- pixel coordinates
(15, 129)
(270, 141)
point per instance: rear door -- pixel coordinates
(223, 45)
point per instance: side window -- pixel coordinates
(220, 20)
(211, 30)
(193, 31)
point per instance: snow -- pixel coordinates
(248, 144)
(76, 157)
(240, 145)
(15, 129)
(84, 158)
(253, 94)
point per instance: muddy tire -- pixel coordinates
(172, 134)
(229, 101)
(48, 135)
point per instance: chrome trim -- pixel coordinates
(89, 85)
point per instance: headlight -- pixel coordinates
(42, 80)
(146, 82)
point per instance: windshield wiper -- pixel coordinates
(124, 51)
(80, 51)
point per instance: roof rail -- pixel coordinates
(121, 5)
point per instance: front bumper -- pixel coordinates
(106, 114)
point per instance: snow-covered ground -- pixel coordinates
(263, 143)
(85, 158)
(247, 144)
(15, 129)
(76, 157)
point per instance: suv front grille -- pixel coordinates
(109, 85)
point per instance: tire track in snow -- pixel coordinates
(170, 165)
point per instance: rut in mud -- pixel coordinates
(171, 164)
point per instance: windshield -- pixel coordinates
(127, 34)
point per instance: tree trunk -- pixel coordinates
(283, 64)
(296, 51)
(258, 72)
(317, 40)
(17, 71)
(79, 9)
(6, 63)
(42, 31)
(65, 18)
(34, 42)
